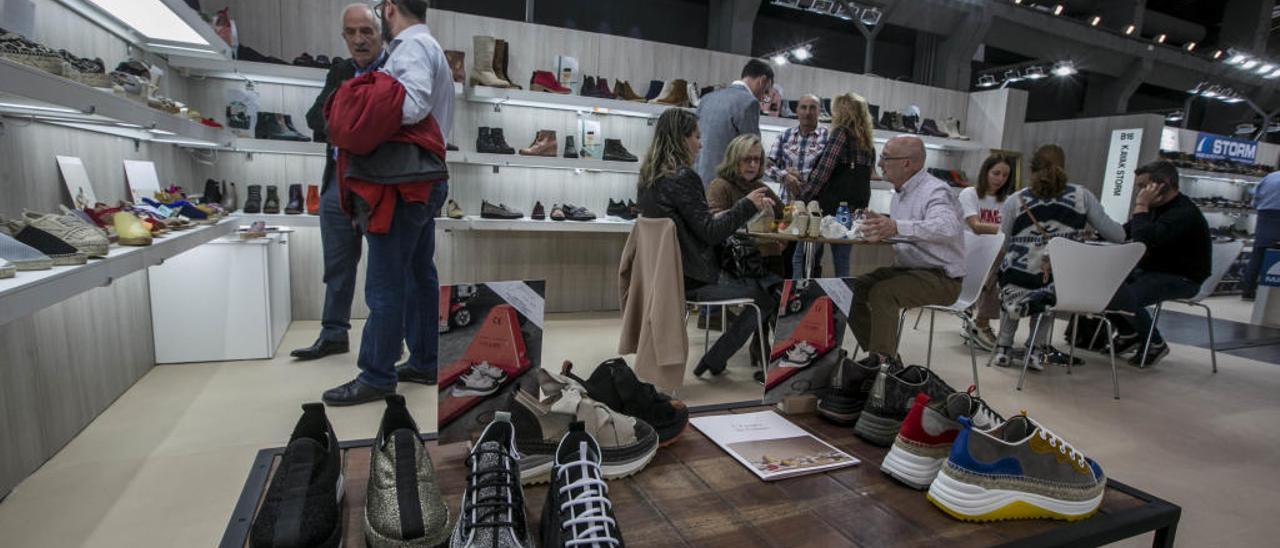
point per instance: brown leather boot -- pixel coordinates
(676, 96)
(457, 63)
(622, 89)
(500, 62)
(543, 145)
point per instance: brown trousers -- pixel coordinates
(880, 296)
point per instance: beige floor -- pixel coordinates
(164, 465)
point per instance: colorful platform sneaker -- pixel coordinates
(891, 398)
(577, 511)
(1019, 470)
(926, 436)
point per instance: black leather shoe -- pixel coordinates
(320, 349)
(704, 367)
(354, 393)
(405, 373)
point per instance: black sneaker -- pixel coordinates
(577, 511)
(1154, 354)
(1053, 356)
(618, 209)
(891, 398)
(851, 383)
(614, 384)
(302, 503)
(1126, 343)
(493, 504)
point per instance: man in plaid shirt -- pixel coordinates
(795, 152)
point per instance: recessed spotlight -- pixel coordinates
(1129, 29)
(779, 59)
(1057, 10)
(1274, 74)
(1248, 65)
(1161, 38)
(1064, 68)
(986, 81)
(1237, 58)
(1265, 68)
(1017, 2)
(1095, 21)
(1217, 54)
(1189, 46)
(801, 53)
(1034, 73)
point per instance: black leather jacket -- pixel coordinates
(683, 199)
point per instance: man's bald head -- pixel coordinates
(901, 158)
(807, 109)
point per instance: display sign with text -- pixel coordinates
(1270, 269)
(1122, 159)
(1217, 147)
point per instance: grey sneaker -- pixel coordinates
(403, 506)
(85, 238)
(493, 504)
(7, 270)
(22, 256)
(891, 398)
(627, 444)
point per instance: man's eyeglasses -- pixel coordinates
(883, 157)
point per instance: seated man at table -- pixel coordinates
(924, 224)
(1178, 259)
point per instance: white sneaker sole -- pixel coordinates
(968, 502)
(914, 470)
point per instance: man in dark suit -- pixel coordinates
(731, 112)
(362, 30)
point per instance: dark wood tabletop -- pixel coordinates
(694, 494)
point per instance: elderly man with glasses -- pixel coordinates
(928, 236)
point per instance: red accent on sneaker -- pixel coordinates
(913, 426)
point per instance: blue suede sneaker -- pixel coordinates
(1018, 470)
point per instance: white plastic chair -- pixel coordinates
(980, 251)
(1224, 255)
(1085, 278)
(724, 325)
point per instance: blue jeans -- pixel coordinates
(402, 289)
(342, 247)
(839, 259)
(1143, 289)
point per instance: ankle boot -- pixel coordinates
(692, 93)
(588, 87)
(272, 204)
(457, 64)
(313, 200)
(655, 89)
(212, 193)
(602, 89)
(230, 198)
(499, 142)
(570, 151)
(676, 94)
(664, 92)
(484, 141)
(295, 200)
(911, 123)
(546, 81)
(614, 151)
(253, 204)
(482, 73)
(543, 145)
(500, 57)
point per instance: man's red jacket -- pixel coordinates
(362, 114)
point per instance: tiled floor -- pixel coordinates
(164, 465)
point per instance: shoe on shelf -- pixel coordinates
(501, 54)
(544, 144)
(482, 72)
(452, 210)
(546, 81)
(253, 203)
(622, 90)
(655, 90)
(570, 150)
(577, 510)
(891, 396)
(84, 237)
(481, 380)
(602, 89)
(7, 269)
(500, 211)
(313, 200)
(1018, 470)
(230, 198)
(926, 436)
(619, 209)
(627, 443)
(691, 91)
(576, 213)
(851, 384)
(615, 384)
(62, 253)
(1157, 351)
(277, 127)
(539, 212)
(457, 64)
(615, 152)
(321, 348)
(302, 504)
(498, 143)
(557, 212)
(271, 205)
(674, 93)
(294, 206)
(930, 127)
(354, 392)
(22, 256)
(212, 192)
(635, 209)
(952, 127)
(492, 511)
(403, 506)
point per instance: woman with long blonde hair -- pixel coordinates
(670, 188)
(842, 172)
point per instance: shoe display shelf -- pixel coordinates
(600, 225)
(267, 73)
(32, 93)
(31, 291)
(313, 221)
(556, 101)
(1218, 176)
(880, 136)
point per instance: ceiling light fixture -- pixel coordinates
(1274, 74)
(1237, 58)
(1189, 46)
(1129, 29)
(1265, 68)
(1217, 54)
(1161, 38)
(1034, 73)
(779, 59)
(1011, 76)
(1064, 68)
(801, 53)
(1095, 21)
(870, 17)
(1248, 65)
(986, 81)
(1057, 10)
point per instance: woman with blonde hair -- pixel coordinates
(739, 174)
(670, 188)
(842, 172)
(1049, 208)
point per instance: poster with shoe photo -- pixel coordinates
(490, 346)
(808, 331)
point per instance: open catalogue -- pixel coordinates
(770, 445)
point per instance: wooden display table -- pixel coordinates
(810, 245)
(694, 494)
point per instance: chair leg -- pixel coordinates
(928, 357)
(1026, 361)
(1146, 346)
(992, 357)
(1071, 353)
(973, 364)
(902, 318)
(764, 353)
(1115, 377)
(1213, 351)
(919, 315)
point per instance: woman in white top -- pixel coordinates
(981, 209)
